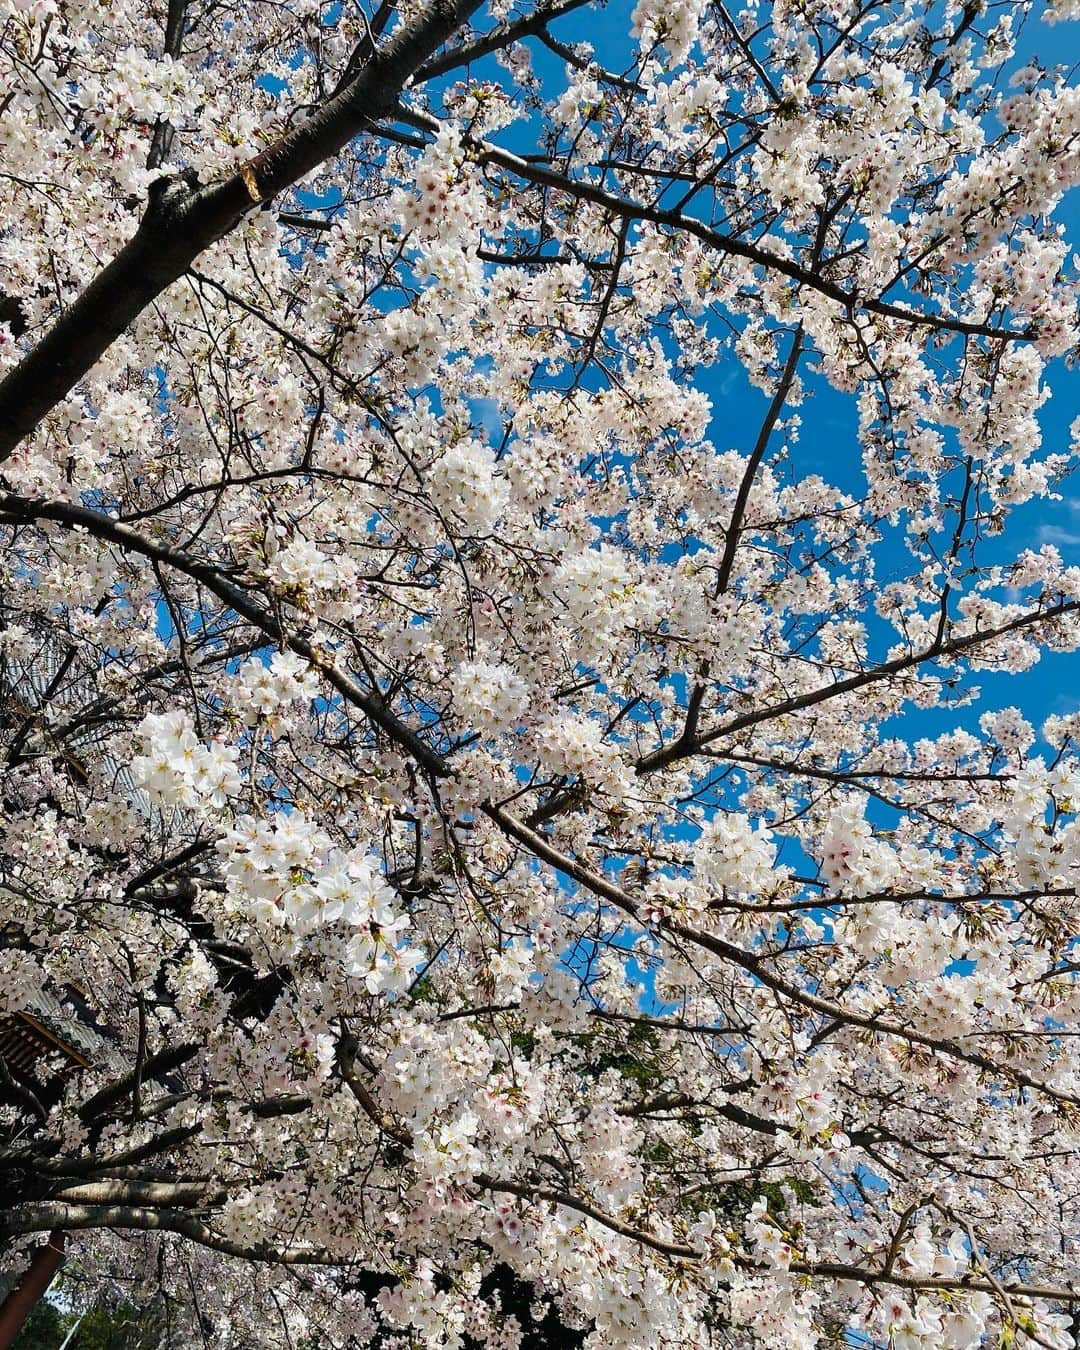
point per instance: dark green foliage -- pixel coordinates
(119, 1326)
(44, 1329)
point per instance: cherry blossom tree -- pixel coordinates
(540, 849)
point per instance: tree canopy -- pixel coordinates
(510, 560)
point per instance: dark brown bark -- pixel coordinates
(240, 601)
(183, 218)
(161, 145)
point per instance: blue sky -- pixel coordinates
(828, 444)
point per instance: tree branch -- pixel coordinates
(625, 207)
(103, 527)
(677, 749)
(183, 218)
(754, 964)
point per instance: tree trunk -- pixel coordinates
(37, 1277)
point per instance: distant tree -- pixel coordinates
(44, 1329)
(106, 1323)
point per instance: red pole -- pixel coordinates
(37, 1277)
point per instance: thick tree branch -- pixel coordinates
(184, 218)
(756, 964)
(103, 527)
(678, 749)
(821, 1269)
(627, 208)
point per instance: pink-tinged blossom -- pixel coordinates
(491, 695)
